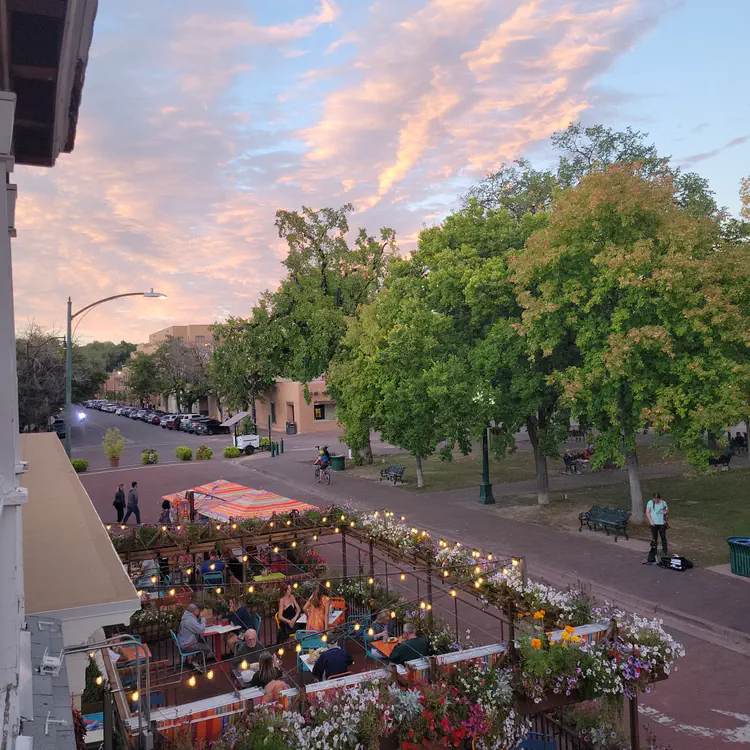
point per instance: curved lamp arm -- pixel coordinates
(152, 293)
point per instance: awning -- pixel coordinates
(223, 500)
(233, 420)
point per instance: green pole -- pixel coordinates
(68, 382)
(485, 489)
(282, 445)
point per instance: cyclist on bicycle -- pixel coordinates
(323, 461)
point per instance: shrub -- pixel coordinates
(149, 456)
(92, 693)
(183, 453)
(113, 443)
(80, 465)
(203, 453)
(231, 452)
(265, 444)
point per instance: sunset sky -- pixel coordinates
(200, 119)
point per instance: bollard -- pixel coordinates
(282, 445)
(273, 449)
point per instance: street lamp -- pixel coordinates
(69, 353)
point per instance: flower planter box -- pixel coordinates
(550, 702)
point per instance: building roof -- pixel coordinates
(44, 49)
(69, 561)
(51, 725)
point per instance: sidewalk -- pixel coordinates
(701, 602)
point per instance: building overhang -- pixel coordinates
(44, 49)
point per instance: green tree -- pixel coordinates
(637, 285)
(183, 370)
(108, 356)
(144, 379)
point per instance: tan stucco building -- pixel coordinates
(199, 334)
(285, 403)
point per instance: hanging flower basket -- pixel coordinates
(552, 701)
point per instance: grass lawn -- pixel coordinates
(462, 471)
(704, 510)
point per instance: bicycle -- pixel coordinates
(326, 475)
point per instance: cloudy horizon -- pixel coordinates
(197, 124)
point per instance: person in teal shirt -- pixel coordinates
(657, 514)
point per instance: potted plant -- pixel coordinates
(149, 456)
(114, 445)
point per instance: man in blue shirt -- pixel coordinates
(657, 515)
(334, 661)
(213, 564)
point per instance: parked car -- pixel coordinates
(59, 427)
(187, 420)
(210, 427)
(146, 416)
(172, 422)
(140, 414)
(164, 419)
(155, 417)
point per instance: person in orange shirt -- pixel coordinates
(316, 608)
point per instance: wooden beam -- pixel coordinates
(52, 8)
(33, 124)
(33, 72)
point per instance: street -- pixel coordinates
(702, 706)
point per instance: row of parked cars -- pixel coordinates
(192, 423)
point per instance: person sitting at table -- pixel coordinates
(383, 626)
(288, 613)
(411, 646)
(251, 647)
(268, 671)
(332, 662)
(213, 560)
(234, 566)
(274, 690)
(315, 609)
(190, 633)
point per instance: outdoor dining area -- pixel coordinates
(304, 608)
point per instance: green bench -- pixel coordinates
(394, 473)
(606, 518)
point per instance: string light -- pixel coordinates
(424, 532)
(234, 525)
(179, 527)
(480, 580)
(505, 571)
(250, 589)
(244, 558)
(453, 592)
(351, 523)
(328, 584)
(489, 557)
(477, 570)
(294, 544)
(139, 592)
(210, 674)
(192, 680)
(163, 528)
(403, 576)
(281, 650)
(276, 550)
(343, 517)
(403, 518)
(414, 531)
(91, 654)
(325, 518)
(477, 584)
(212, 566)
(172, 592)
(370, 581)
(99, 680)
(393, 614)
(122, 526)
(324, 638)
(370, 632)
(295, 586)
(356, 626)
(515, 562)
(336, 530)
(376, 514)
(243, 665)
(218, 527)
(288, 523)
(446, 573)
(298, 648)
(429, 606)
(188, 571)
(109, 527)
(315, 537)
(218, 589)
(271, 524)
(154, 579)
(422, 605)
(135, 696)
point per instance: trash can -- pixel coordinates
(291, 428)
(739, 555)
(338, 463)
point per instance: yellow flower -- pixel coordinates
(576, 638)
(536, 643)
(569, 629)
(539, 615)
(565, 635)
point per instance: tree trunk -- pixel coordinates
(540, 465)
(254, 415)
(636, 495)
(420, 476)
(368, 452)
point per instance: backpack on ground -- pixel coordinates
(675, 562)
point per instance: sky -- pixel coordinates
(199, 120)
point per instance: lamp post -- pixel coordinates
(69, 354)
(485, 489)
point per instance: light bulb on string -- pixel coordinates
(218, 589)
(192, 681)
(250, 589)
(135, 696)
(99, 680)
(370, 581)
(281, 651)
(210, 674)
(244, 558)
(370, 632)
(403, 576)
(453, 592)
(356, 626)
(243, 665)
(298, 648)
(324, 638)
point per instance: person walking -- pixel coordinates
(657, 513)
(119, 502)
(133, 504)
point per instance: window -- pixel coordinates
(273, 412)
(319, 411)
(325, 412)
(200, 340)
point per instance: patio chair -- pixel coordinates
(184, 654)
(308, 639)
(215, 578)
(371, 653)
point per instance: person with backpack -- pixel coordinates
(657, 513)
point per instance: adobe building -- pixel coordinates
(289, 411)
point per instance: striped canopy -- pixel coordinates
(223, 500)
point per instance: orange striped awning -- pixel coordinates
(223, 500)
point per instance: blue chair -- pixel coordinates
(216, 578)
(185, 654)
(364, 621)
(371, 653)
(308, 639)
(157, 699)
(537, 741)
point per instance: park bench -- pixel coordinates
(393, 473)
(573, 464)
(607, 518)
(722, 460)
